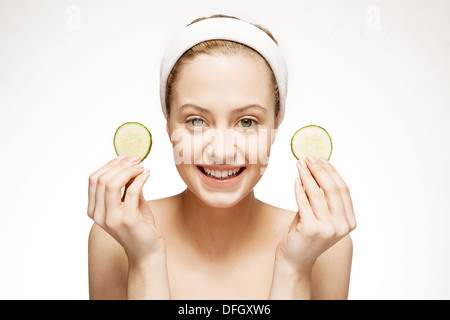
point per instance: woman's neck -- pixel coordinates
(218, 232)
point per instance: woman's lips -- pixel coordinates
(221, 176)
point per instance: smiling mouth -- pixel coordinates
(221, 174)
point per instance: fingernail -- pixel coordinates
(139, 166)
(324, 161)
(311, 159)
(302, 163)
(135, 159)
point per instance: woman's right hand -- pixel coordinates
(128, 218)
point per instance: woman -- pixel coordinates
(215, 240)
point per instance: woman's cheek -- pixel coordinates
(182, 146)
(256, 145)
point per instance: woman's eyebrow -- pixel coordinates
(195, 107)
(242, 109)
(235, 111)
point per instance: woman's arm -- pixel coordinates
(329, 278)
(138, 269)
(289, 283)
(148, 280)
(314, 259)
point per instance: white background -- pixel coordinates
(375, 74)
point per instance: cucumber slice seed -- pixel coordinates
(311, 140)
(132, 139)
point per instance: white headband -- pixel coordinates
(225, 29)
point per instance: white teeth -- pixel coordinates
(221, 174)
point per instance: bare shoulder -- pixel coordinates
(339, 255)
(278, 217)
(164, 210)
(163, 203)
(101, 241)
(331, 272)
(280, 212)
(108, 266)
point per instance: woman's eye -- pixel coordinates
(196, 122)
(247, 122)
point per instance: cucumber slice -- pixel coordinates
(311, 140)
(132, 139)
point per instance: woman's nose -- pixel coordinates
(220, 146)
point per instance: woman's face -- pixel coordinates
(222, 125)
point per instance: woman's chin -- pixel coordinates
(220, 200)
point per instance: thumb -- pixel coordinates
(134, 190)
(144, 207)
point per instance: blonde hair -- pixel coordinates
(225, 47)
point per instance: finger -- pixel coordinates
(305, 212)
(93, 183)
(131, 198)
(313, 192)
(134, 192)
(103, 183)
(126, 188)
(113, 192)
(330, 188)
(136, 160)
(345, 192)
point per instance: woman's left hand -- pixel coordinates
(325, 214)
